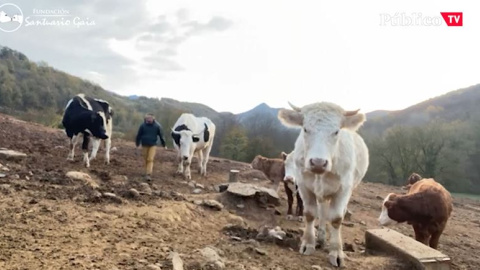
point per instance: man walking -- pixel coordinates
(147, 137)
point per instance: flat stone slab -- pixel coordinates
(420, 255)
(250, 190)
(11, 155)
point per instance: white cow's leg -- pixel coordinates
(322, 218)
(95, 146)
(200, 161)
(73, 143)
(86, 160)
(86, 141)
(310, 210)
(108, 145)
(187, 172)
(206, 158)
(337, 209)
(180, 163)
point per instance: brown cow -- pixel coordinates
(274, 169)
(427, 207)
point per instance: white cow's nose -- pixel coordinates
(318, 165)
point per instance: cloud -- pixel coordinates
(126, 43)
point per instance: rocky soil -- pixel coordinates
(56, 214)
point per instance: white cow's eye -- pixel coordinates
(305, 130)
(336, 132)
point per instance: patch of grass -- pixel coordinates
(466, 195)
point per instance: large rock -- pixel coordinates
(12, 155)
(81, 176)
(250, 190)
(212, 258)
(213, 204)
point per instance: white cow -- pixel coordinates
(331, 159)
(193, 135)
(4, 17)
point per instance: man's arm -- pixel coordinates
(160, 134)
(139, 135)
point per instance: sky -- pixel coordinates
(233, 55)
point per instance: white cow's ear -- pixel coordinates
(354, 122)
(290, 117)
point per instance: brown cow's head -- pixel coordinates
(391, 212)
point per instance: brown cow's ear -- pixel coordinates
(389, 204)
(392, 196)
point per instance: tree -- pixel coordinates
(235, 144)
(260, 146)
(430, 139)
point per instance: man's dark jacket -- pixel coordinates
(147, 134)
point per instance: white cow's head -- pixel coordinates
(321, 125)
(186, 141)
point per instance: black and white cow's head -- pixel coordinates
(187, 141)
(95, 124)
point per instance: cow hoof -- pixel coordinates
(307, 249)
(300, 218)
(289, 217)
(336, 258)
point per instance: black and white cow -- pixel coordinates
(88, 117)
(193, 135)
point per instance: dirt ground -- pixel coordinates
(49, 221)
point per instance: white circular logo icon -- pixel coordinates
(11, 17)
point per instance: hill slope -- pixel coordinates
(50, 219)
(458, 105)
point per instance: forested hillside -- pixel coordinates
(437, 138)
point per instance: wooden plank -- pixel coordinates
(395, 243)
